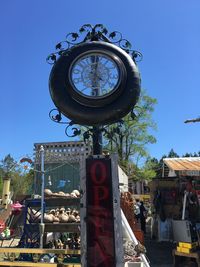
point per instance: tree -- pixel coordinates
(7, 167)
(8, 164)
(130, 138)
(195, 154)
(157, 165)
(172, 154)
(21, 182)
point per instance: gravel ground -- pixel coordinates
(159, 253)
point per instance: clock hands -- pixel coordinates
(95, 74)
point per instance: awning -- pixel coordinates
(185, 166)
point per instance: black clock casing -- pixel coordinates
(101, 109)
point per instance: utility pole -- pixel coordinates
(192, 120)
(42, 197)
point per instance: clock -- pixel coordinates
(96, 78)
(94, 83)
(96, 75)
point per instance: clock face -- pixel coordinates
(95, 75)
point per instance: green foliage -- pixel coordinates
(144, 173)
(21, 182)
(172, 154)
(154, 165)
(195, 154)
(8, 164)
(157, 165)
(129, 139)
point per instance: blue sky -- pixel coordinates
(167, 32)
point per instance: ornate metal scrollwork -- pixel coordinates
(93, 33)
(57, 117)
(72, 130)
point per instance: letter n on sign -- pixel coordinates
(99, 213)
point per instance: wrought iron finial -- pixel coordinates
(88, 33)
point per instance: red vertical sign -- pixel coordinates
(100, 221)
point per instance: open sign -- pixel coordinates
(100, 221)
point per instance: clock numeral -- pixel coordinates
(104, 91)
(104, 64)
(76, 71)
(112, 66)
(95, 91)
(87, 61)
(113, 76)
(77, 80)
(86, 88)
(82, 64)
(111, 84)
(93, 59)
(105, 61)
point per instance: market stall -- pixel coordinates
(176, 195)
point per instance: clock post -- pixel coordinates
(97, 140)
(95, 82)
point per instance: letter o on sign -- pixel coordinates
(98, 172)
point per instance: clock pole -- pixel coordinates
(97, 140)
